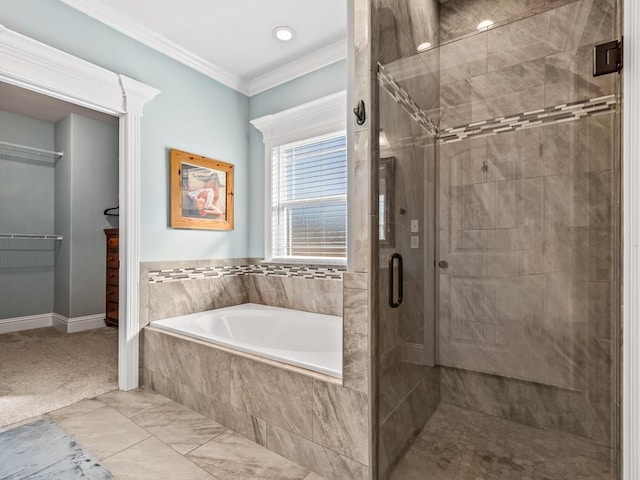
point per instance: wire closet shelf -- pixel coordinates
(30, 236)
(40, 152)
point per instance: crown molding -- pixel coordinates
(111, 17)
(314, 61)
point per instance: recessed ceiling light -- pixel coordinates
(284, 33)
(484, 24)
(424, 46)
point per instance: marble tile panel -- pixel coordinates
(177, 426)
(180, 298)
(143, 296)
(529, 403)
(514, 90)
(340, 420)
(313, 476)
(360, 169)
(317, 458)
(463, 59)
(356, 339)
(133, 402)
(399, 430)
(391, 387)
(558, 199)
(99, 428)
(318, 296)
(270, 290)
(355, 280)
(559, 248)
(600, 254)
(456, 100)
(152, 459)
(559, 147)
(596, 143)
(514, 155)
(601, 210)
(198, 366)
(479, 206)
(464, 161)
(239, 421)
(599, 310)
(460, 17)
(230, 456)
(278, 396)
(569, 78)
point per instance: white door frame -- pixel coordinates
(32, 65)
(631, 241)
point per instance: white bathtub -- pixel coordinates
(308, 340)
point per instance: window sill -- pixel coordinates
(305, 263)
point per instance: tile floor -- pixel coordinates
(140, 435)
(459, 444)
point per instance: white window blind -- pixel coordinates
(309, 199)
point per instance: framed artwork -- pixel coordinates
(201, 192)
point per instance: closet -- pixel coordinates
(58, 174)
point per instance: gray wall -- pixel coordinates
(26, 206)
(86, 184)
(318, 84)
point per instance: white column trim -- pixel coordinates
(32, 65)
(631, 239)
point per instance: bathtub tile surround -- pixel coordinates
(254, 386)
(171, 289)
(257, 397)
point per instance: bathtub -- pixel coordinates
(308, 340)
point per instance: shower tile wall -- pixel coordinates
(527, 222)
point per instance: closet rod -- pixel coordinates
(25, 149)
(31, 236)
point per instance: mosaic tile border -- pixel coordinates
(558, 113)
(386, 80)
(565, 112)
(267, 269)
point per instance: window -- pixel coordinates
(306, 182)
(309, 199)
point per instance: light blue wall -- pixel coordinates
(193, 113)
(318, 84)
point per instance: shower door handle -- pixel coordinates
(392, 261)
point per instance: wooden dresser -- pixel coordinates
(113, 266)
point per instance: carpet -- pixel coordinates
(42, 450)
(43, 370)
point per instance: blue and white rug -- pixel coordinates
(43, 451)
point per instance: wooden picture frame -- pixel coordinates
(201, 192)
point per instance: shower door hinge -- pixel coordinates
(607, 58)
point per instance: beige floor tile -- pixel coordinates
(153, 460)
(133, 402)
(98, 427)
(178, 427)
(232, 457)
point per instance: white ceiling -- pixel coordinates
(36, 105)
(231, 40)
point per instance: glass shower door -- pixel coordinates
(505, 135)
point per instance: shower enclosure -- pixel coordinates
(496, 340)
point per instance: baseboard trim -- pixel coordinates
(16, 324)
(77, 324)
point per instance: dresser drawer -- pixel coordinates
(112, 293)
(113, 260)
(112, 310)
(113, 243)
(112, 276)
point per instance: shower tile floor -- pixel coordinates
(459, 444)
(141, 435)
